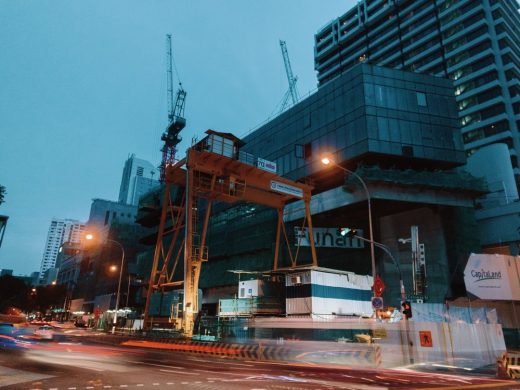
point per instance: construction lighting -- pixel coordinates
(89, 236)
(326, 160)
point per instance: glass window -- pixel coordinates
(421, 99)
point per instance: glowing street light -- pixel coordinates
(114, 268)
(328, 161)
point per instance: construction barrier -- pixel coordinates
(352, 354)
(508, 365)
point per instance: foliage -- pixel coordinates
(13, 293)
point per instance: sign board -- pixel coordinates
(377, 303)
(286, 189)
(494, 277)
(327, 238)
(379, 286)
(425, 336)
(266, 165)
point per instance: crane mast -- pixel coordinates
(292, 92)
(176, 120)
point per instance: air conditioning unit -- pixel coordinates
(296, 280)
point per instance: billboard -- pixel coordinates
(494, 277)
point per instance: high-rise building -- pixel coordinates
(475, 43)
(60, 231)
(139, 177)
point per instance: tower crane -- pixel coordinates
(292, 91)
(176, 120)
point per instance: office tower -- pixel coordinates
(473, 43)
(60, 231)
(139, 177)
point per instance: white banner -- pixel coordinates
(286, 189)
(266, 165)
(327, 238)
(493, 277)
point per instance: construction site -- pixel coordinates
(331, 222)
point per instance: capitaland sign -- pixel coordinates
(493, 277)
(485, 275)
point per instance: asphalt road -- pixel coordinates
(77, 365)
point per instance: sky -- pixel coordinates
(83, 85)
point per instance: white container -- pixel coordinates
(320, 291)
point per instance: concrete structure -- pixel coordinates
(400, 130)
(137, 180)
(104, 213)
(475, 44)
(60, 231)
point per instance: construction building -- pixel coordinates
(399, 131)
(472, 43)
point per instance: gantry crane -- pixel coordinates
(176, 120)
(292, 91)
(214, 170)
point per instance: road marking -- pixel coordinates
(170, 383)
(107, 387)
(239, 364)
(178, 372)
(139, 385)
(457, 387)
(71, 388)
(53, 388)
(123, 385)
(164, 365)
(89, 387)
(184, 383)
(155, 384)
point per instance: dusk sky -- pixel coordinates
(83, 85)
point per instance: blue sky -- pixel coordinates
(83, 85)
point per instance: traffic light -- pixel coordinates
(407, 309)
(348, 232)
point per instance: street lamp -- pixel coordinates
(327, 161)
(396, 263)
(91, 237)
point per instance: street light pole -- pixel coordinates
(396, 263)
(119, 284)
(91, 237)
(328, 161)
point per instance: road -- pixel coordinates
(76, 365)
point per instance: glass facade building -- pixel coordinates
(383, 123)
(475, 43)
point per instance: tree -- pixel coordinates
(2, 194)
(13, 293)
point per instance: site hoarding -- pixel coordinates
(493, 277)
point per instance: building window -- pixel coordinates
(299, 151)
(107, 216)
(307, 151)
(140, 171)
(421, 99)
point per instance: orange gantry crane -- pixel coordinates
(214, 169)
